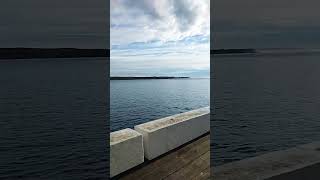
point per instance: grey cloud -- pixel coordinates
(145, 6)
(184, 13)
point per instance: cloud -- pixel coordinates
(163, 20)
(160, 37)
(163, 37)
(145, 6)
(184, 13)
(187, 57)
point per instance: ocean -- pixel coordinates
(264, 102)
(53, 119)
(53, 111)
(134, 102)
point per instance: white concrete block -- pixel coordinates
(163, 135)
(126, 150)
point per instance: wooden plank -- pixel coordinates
(174, 162)
(204, 175)
(194, 168)
(171, 162)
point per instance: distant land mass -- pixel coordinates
(32, 53)
(137, 78)
(232, 51)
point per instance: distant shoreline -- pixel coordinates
(232, 51)
(35, 53)
(140, 78)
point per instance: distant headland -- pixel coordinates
(140, 78)
(33, 53)
(232, 51)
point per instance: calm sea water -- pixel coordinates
(52, 112)
(133, 102)
(264, 103)
(53, 119)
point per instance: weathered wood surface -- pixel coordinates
(191, 161)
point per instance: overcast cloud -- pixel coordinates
(163, 37)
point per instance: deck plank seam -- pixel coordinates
(190, 162)
(191, 146)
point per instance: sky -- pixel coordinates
(160, 38)
(265, 24)
(54, 23)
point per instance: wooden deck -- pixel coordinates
(191, 161)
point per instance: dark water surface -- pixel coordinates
(264, 103)
(134, 102)
(52, 119)
(53, 123)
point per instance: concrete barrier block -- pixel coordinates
(163, 135)
(126, 150)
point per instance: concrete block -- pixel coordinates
(163, 135)
(126, 150)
